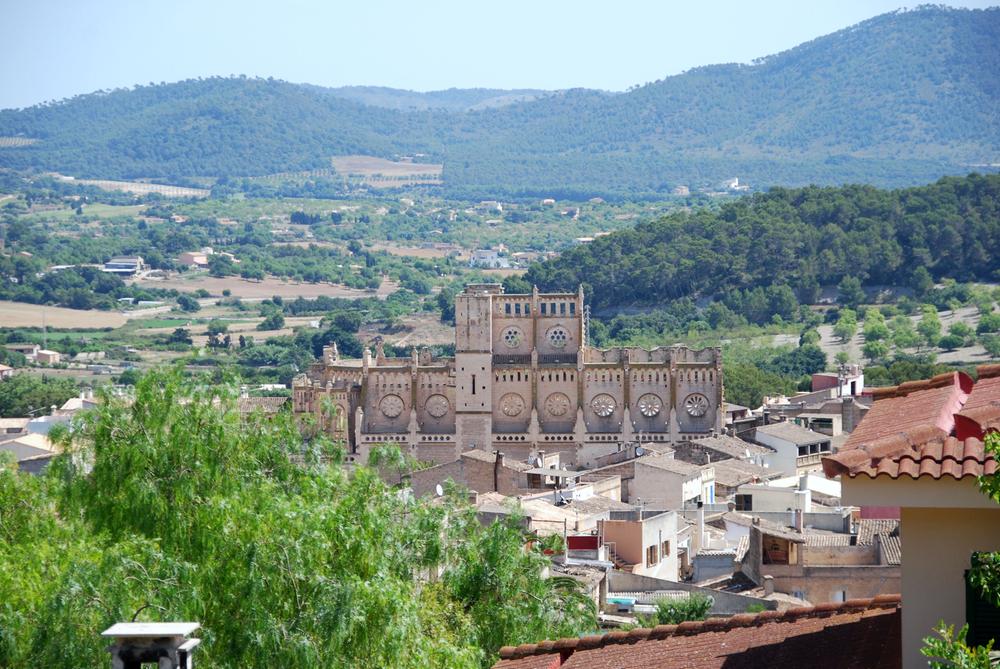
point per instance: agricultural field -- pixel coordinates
(141, 188)
(257, 290)
(21, 315)
(381, 173)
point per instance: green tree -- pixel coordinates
(216, 327)
(929, 326)
(27, 394)
(175, 506)
(875, 350)
(992, 345)
(180, 336)
(272, 321)
(188, 303)
(850, 293)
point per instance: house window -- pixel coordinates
(562, 308)
(543, 308)
(506, 308)
(744, 502)
(665, 549)
(572, 308)
(517, 308)
(803, 450)
(651, 555)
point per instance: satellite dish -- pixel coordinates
(538, 462)
(639, 451)
(439, 490)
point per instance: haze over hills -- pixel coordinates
(900, 99)
(453, 99)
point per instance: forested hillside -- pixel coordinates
(900, 99)
(766, 247)
(453, 99)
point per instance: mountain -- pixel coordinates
(751, 253)
(900, 99)
(453, 99)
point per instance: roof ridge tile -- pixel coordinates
(689, 628)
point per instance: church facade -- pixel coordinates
(523, 381)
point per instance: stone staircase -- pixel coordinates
(619, 563)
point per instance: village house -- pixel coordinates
(124, 265)
(6, 372)
(820, 566)
(666, 483)
(796, 450)
(642, 542)
(28, 349)
(47, 357)
(921, 448)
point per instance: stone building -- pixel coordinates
(523, 380)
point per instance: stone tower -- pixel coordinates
(474, 367)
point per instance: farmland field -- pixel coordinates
(141, 188)
(269, 287)
(379, 172)
(20, 314)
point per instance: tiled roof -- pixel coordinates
(485, 456)
(869, 527)
(856, 633)
(981, 412)
(734, 447)
(267, 405)
(732, 473)
(892, 547)
(793, 433)
(911, 431)
(832, 539)
(670, 465)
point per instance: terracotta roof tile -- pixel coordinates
(855, 633)
(924, 428)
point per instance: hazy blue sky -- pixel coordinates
(53, 49)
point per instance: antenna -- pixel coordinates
(438, 490)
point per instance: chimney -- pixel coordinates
(799, 521)
(699, 536)
(497, 464)
(167, 645)
(847, 414)
(804, 482)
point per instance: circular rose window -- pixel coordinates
(603, 405)
(557, 336)
(512, 404)
(512, 337)
(696, 404)
(391, 406)
(437, 405)
(649, 405)
(556, 404)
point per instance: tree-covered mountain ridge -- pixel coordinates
(900, 99)
(756, 248)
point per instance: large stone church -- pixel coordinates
(523, 380)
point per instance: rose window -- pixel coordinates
(437, 405)
(558, 336)
(696, 404)
(603, 405)
(512, 404)
(556, 404)
(649, 405)
(512, 337)
(391, 406)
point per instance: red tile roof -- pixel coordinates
(925, 428)
(857, 633)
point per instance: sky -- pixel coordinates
(54, 49)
